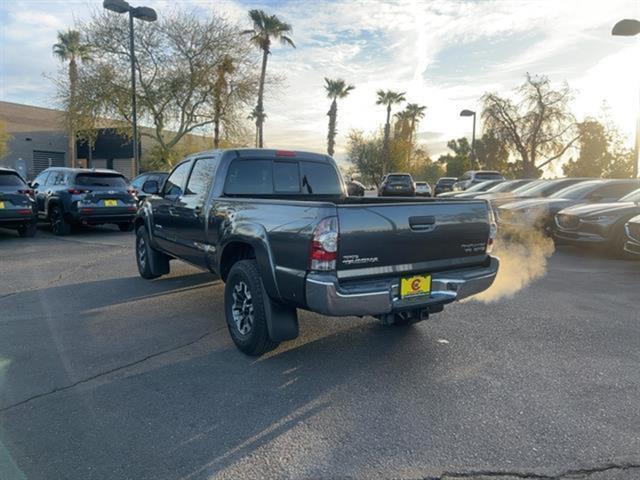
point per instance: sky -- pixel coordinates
(443, 54)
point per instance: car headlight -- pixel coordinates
(604, 218)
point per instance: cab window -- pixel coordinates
(201, 176)
(173, 185)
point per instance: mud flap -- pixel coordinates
(282, 321)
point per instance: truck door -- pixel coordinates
(164, 214)
(189, 213)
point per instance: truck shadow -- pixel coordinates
(192, 412)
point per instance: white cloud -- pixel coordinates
(398, 45)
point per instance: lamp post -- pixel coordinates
(471, 113)
(148, 15)
(628, 28)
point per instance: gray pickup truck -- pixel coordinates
(281, 232)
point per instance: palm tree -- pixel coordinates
(254, 115)
(265, 29)
(70, 48)
(224, 68)
(335, 89)
(388, 98)
(415, 113)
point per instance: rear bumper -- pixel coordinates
(98, 216)
(376, 297)
(11, 220)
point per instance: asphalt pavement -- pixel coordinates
(104, 375)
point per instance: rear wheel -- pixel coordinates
(244, 302)
(58, 224)
(28, 230)
(126, 227)
(151, 263)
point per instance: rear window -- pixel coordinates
(489, 176)
(248, 177)
(447, 181)
(9, 179)
(100, 180)
(399, 179)
(320, 179)
(265, 177)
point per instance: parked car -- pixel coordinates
(280, 231)
(397, 184)
(534, 189)
(138, 182)
(473, 190)
(70, 196)
(17, 206)
(476, 176)
(599, 224)
(632, 230)
(355, 188)
(503, 187)
(423, 189)
(444, 184)
(539, 213)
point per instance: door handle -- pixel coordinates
(172, 212)
(425, 222)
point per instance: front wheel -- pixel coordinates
(244, 302)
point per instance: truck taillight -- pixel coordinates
(324, 245)
(493, 230)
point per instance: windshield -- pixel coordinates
(631, 197)
(576, 191)
(482, 186)
(489, 176)
(528, 187)
(507, 186)
(399, 179)
(447, 181)
(100, 180)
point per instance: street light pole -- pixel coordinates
(134, 110)
(148, 15)
(471, 113)
(628, 28)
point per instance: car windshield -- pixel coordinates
(482, 186)
(489, 176)
(421, 184)
(507, 186)
(576, 191)
(100, 180)
(10, 179)
(528, 187)
(631, 197)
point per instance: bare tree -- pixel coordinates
(539, 126)
(179, 59)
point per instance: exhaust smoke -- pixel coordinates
(523, 259)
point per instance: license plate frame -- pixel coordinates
(415, 285)
(110, 203)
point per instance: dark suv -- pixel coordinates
(68, 196)
(397, 184)
(17, 206)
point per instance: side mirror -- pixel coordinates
(151, 187)
(33, 185)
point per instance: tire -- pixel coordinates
(126, 227)
(244, 305)
(615, 247)
(151, 263)
(59, 226)
(28, 230)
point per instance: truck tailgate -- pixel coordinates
(378, 239)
